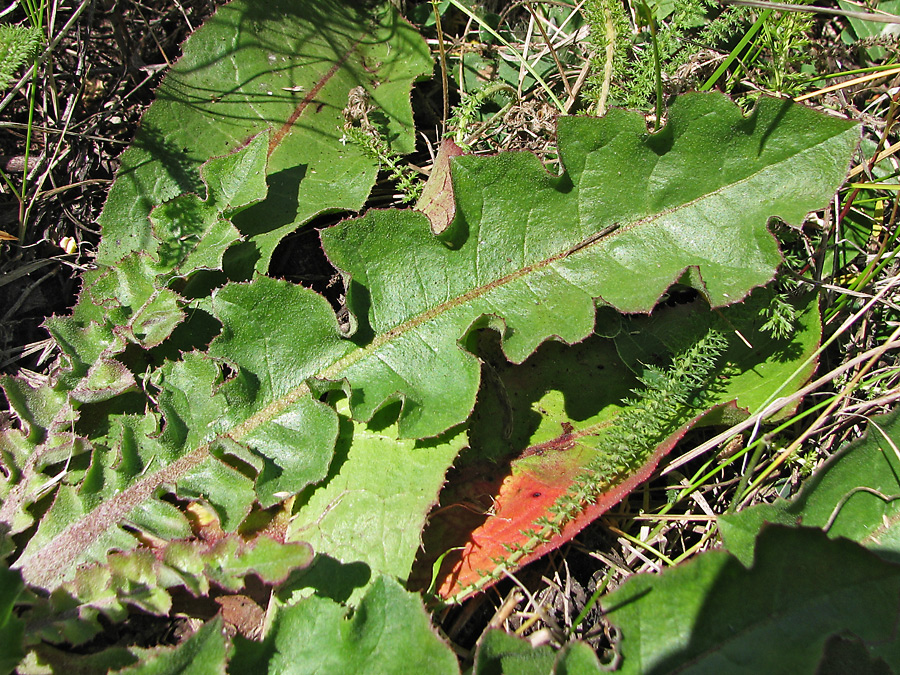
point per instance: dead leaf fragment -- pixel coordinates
(242, 615)
(437, 200)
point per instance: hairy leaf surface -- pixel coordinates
(151, 579)
(527, 247)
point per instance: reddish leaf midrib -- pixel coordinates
(279, 135)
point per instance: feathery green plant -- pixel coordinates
(776, 56)
(18, 44)
(626, 57)
(373, 145)
(366, 135)
(780, 317)
(465, 114)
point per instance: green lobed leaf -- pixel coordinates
(526, 247)
(714, 615)
(112, 478)
(207, 439)
(131, 302)
(855, 494)
(283, 67)
(369, 509)
(500, 653)
(277, 357)
(229, 560)
(55, 533)
(194, 233)
(38, 409)
(389, 632)
(146, 579)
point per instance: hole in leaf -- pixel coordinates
(237, 463)
(228, 372)
(200, 284)
(258, 520)
(136, 358)
(94, 418)
(385, 417)
(679, 294)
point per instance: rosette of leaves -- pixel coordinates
(172, 391)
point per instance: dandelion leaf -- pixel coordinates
(781, 614)
(282, 69)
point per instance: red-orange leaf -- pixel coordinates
(516, 496)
